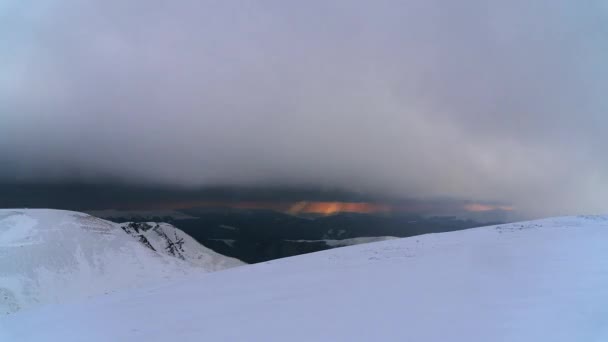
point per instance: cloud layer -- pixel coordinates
(482, 100)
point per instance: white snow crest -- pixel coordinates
(534, 281)
(53, 256)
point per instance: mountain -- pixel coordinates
(52, 256)
(262, 235)
(140, 215)
(534, 281)
(167, 240)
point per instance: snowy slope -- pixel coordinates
(171, 241)
(52, 256)
(537, 281)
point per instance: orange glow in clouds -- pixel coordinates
(334, 207)
(302, 207)
(478, 207)
(328, 208)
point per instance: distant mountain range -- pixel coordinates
(261, 235)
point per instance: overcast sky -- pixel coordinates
(473, 99)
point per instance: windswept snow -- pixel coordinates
(169, 240)
(536, 281)
(53, 256)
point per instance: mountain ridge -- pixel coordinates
(51, 256)
(532, 281)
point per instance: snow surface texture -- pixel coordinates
(169, 240)
(537, 281)
(53, 256)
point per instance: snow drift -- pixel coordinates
(53, 256)
(543, 280)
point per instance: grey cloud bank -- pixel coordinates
(483, 100)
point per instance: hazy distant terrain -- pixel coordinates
(262, 235)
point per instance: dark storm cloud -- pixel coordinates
(483, 100)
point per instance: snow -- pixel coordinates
(536, 281)
(228, 227)
(191, 250)
(357, 241)
(54, 256)
(227, 242)
(351, 241)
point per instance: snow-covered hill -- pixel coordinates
(53, 256)
(168, 240)
(543, 280)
